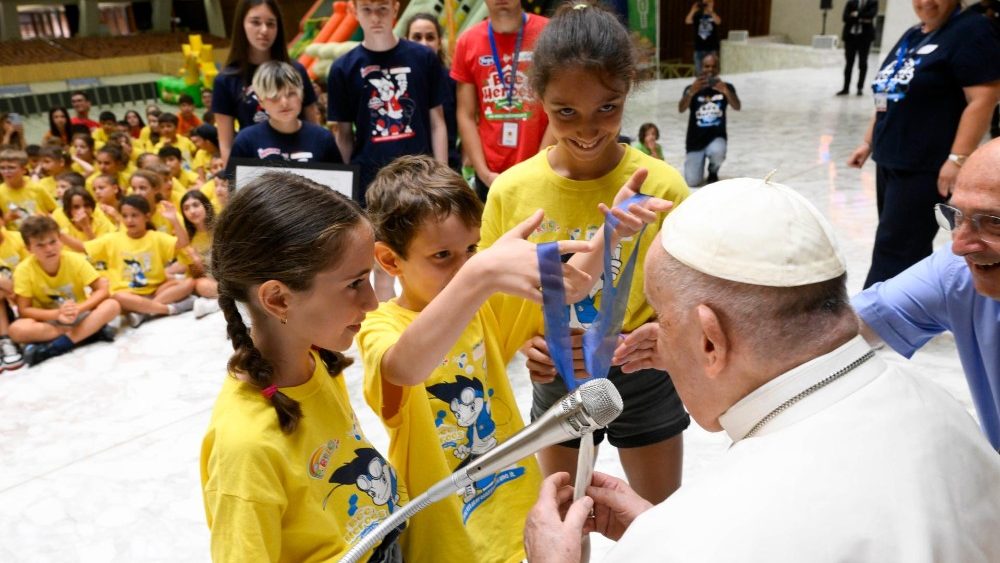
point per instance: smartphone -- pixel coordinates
(713, 80)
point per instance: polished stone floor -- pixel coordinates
(99, 448)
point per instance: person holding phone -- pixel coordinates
(708, 98)
(706, 31)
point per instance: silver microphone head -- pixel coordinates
(593, 405)
(601, 400)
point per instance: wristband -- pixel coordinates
(958, 159)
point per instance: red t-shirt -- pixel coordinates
(473, 64)
(90, 123)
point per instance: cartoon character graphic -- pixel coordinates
(390, 105)
(467, 400)
(584, 312)
(134, 268)
(896, 84)
(710, 112)
(6, 272)
(371, 474)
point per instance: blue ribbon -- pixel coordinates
(601, 338)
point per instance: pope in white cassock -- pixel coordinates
(836, 456)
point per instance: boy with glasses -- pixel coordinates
(956, 289)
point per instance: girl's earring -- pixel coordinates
(284, 320)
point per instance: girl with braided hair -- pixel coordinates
(286, 472)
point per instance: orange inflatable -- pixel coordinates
(339, 11)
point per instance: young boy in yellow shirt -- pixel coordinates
(169, 137)
(435, 357)
(171, 157)
(56, 313)
(109, 160)
(19, 196)
(53, 161)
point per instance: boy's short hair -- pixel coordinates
(142, 160)
(413, 189)
(274, 77)
(72, 178)
(170, 151)
(167, 117)
(119, 136)
(14, 155)
(185, 99)
(37, 226)
(107, 116)
(33, 151)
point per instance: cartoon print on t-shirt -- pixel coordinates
(371, 475)
(495, 92)
(390, 104)
(136, 268)
(709, 114)
(896, 84)
(705, 27)
(470, 405)
(61, 294)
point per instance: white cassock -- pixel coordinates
(878, 466)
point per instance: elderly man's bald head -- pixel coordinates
(977, 191)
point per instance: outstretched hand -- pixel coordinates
(632, 219)
(524, 279)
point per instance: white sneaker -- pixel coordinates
(205, 306)
(10, 354)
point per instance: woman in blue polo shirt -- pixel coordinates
(258, 37)
(933, 98)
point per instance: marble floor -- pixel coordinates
(99, 448)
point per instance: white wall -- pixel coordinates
(799, 20)
(899, 17)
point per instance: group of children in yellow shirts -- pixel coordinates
(87, 236)
(287, 472)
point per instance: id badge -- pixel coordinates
(881, 101)
(508, 137)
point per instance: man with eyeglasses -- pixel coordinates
(956, 289)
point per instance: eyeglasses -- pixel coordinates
(986, 226)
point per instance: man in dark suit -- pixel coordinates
(859, 32)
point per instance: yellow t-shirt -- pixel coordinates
(29, 199)
(201, 244)
(100, 224)
(208, 189)
(571, 213)
(187, 179)
(464, 408)
(136, 265)
(48, 183)
(143, 139)
(300, 497)
(201, 159)
(49, 292)
(185, 145)
(100, 138)
(12, 252)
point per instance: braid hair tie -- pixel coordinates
(269, 391)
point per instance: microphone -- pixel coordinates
(591, 406)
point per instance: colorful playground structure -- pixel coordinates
(198, 72)
(329, 29)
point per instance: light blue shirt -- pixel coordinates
(932, 296)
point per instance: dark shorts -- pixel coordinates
(653, 410)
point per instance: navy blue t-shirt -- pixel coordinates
(450, 107)
(707, 119)
(311, 143)
(388, 96)
(233, 97)
(925, 97)
(706, 33)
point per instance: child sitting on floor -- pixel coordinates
(56, 314)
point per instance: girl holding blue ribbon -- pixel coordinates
(583, 67)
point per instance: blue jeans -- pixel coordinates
(694, 162)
